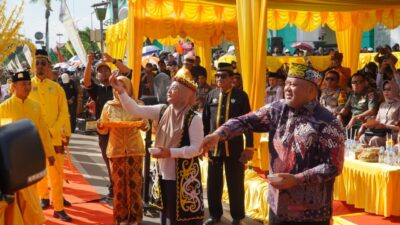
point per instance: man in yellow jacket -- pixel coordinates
(19, 106)
(51, 98)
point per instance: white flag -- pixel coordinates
(28, 54)
(17, 62)
(72, 32)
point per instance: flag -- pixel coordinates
(69, 48)
(73, 34)
(28, 54)
(59, 56)
(53, 56)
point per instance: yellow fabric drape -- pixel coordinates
(319, 62)
(379, 184)
(337, 21)
(318, 5)
(252, 27)
(349, 44)
(135, 40)
(366, 58)
(252, 40)
(203, 50)
(116, 38)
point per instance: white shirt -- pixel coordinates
(196, 134)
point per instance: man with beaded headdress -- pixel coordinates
(306, 147)
(177, 190)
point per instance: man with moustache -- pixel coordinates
(221, 104)
(306, 147)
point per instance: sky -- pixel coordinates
(34, 20)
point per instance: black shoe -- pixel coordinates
(110, 192)
(212, 221)
(62, 216)
(237, 222)
(66, 203)
(45, 203)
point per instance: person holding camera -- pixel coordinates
(101, 93)
(384, 53)
(18, 107)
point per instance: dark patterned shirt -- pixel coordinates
(306, 142)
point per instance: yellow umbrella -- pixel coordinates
(227, 58)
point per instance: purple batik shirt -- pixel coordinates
(306, 142)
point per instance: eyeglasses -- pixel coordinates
(221, 76)
(357, 82)
(387, 89)
(41, 62)
(330, 79)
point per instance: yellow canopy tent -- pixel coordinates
(245, 22)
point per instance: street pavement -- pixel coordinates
(86, 156)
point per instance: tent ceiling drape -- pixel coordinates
(317, 5)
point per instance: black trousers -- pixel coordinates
(234, 172)
(72, 116)
(275, 220)
(103, 142)
(168, 214)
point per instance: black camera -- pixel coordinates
(98, 55)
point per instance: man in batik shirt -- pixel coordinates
(306, 149)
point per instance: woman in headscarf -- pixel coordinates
(125, 151)
(178, 192)
(375, 130)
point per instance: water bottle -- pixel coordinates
(381, 154)
(387, 155)
(393, 156)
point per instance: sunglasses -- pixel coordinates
(221, 76)
(330, 79)
(357, 82)
(41, 62)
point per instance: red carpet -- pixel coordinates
(79, 192)
(366, 219)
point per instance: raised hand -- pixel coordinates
(118, 86)
(209, 142)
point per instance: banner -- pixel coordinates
(72, 32)
(59, 55)
(12, 66)
(28, 55)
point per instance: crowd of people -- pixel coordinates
(308, 50)
(366, 101)
(305, 112)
